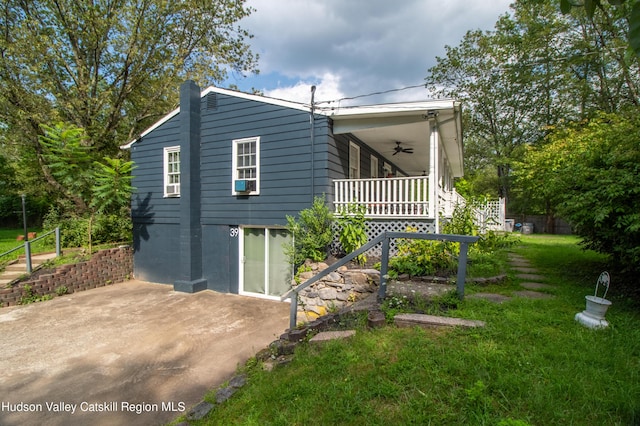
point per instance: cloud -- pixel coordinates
(354, 47)
(327, 88)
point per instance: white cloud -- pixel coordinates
(355, 47)
(327, 88)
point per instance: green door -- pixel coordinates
(265, 269)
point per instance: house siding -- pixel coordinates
(285, 163)
(285, 186)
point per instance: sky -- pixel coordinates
(350, 48)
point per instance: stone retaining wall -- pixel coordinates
(105, 267)
(337, 290)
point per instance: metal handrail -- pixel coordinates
(27, 247)
(384, 238)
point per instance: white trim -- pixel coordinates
(165, 172)
(374, 166)
(266, 260)
(356, 147)
(234, 165)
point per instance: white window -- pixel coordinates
(172, 171)
(374, 166)
(354, 161)
(246, 166)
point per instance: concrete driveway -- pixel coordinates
(133, 353)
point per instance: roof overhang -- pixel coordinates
(381, 126)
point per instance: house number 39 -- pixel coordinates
(233, 232)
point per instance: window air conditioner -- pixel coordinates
(172, 190)
(245, 185)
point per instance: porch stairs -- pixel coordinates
(18, 268)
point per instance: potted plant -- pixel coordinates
(593, 316)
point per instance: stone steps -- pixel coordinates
(18, 269)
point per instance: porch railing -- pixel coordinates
(385, 198)
(448, 201)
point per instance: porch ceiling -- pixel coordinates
(380, 126)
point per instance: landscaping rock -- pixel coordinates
(332, 335)
(432, 321)
(199, 411)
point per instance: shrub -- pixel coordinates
(352, 231)
(312, 233)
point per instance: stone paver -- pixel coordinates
(332, 335)
(431, 321)
(532, 277)
(535, 286)
(528, 294)
(525, 270)
(491, 297)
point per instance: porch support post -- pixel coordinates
(384, 268)
(190, 230)
(434, 204)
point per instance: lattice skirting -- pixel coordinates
(376, 227)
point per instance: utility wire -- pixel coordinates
(349, 98)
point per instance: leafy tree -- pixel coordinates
(110, 67)
(590, 7)
(505, 80)
(95, 188)
(589, 174)
(537, 69)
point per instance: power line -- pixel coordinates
(384, 92)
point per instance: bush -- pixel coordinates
(312, 233)
(352, 231)
(74, 230)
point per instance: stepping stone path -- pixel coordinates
(533, 282)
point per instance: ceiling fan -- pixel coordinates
(398, 149)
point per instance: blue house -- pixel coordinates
(216, 178)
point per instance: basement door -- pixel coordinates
(264, 268)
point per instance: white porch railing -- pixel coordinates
(406, 197)
(448, 201)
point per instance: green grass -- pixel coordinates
(532, 363)
(8, 241)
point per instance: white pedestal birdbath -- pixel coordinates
(593, 316)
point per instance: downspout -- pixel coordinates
(313, 131)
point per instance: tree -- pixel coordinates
(95, 187)
(590, 7)
(507, 84)
(537, 69)
(110, 67)
(589, 173)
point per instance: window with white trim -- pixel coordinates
(246, 166)
(374, 166)
(172, 171)
(354, 161)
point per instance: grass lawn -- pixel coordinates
(531, 365)
(8, 242)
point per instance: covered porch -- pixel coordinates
(394, 198)
(421, 146)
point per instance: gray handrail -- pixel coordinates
(384, 238)
(27, 247)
